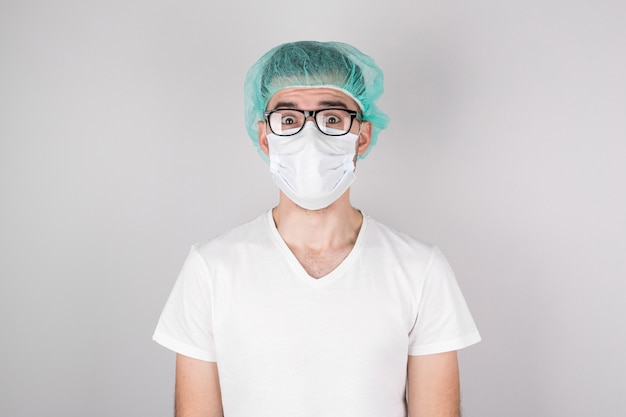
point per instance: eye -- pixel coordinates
(289, 117)
(334, 118)
(288, 120)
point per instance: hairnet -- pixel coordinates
(314, 64)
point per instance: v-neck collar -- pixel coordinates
(333, 275)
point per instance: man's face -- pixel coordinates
(315, 99)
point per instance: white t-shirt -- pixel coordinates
(289, 345)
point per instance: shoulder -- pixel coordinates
(388, 241)
(246, 237)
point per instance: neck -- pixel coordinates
(336, 226)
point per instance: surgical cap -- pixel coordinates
(314, 64)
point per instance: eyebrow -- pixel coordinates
(329, 103)
(333, 103)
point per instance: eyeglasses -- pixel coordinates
(331, 122)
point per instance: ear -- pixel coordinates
(263, 138)
(365, 138)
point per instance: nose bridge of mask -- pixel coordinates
(309, 125)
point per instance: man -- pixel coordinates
(314, 309)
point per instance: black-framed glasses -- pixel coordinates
(331, 122)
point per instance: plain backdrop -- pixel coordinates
(122, 142)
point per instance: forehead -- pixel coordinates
(310, 98)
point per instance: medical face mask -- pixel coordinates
(311, 168)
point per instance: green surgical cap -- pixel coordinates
(314, 64)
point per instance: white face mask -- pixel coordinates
(311, 168)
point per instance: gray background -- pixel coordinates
(122, 142)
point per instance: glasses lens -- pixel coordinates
(286, 122)
(334, 122)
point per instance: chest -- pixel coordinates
(319, 264)
(351, 307)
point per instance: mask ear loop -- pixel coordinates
(358, 137)
(360, 125)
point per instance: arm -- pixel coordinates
(197, 388)
(433, 385)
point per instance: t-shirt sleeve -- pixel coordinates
(185, 325)
(444, 322)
